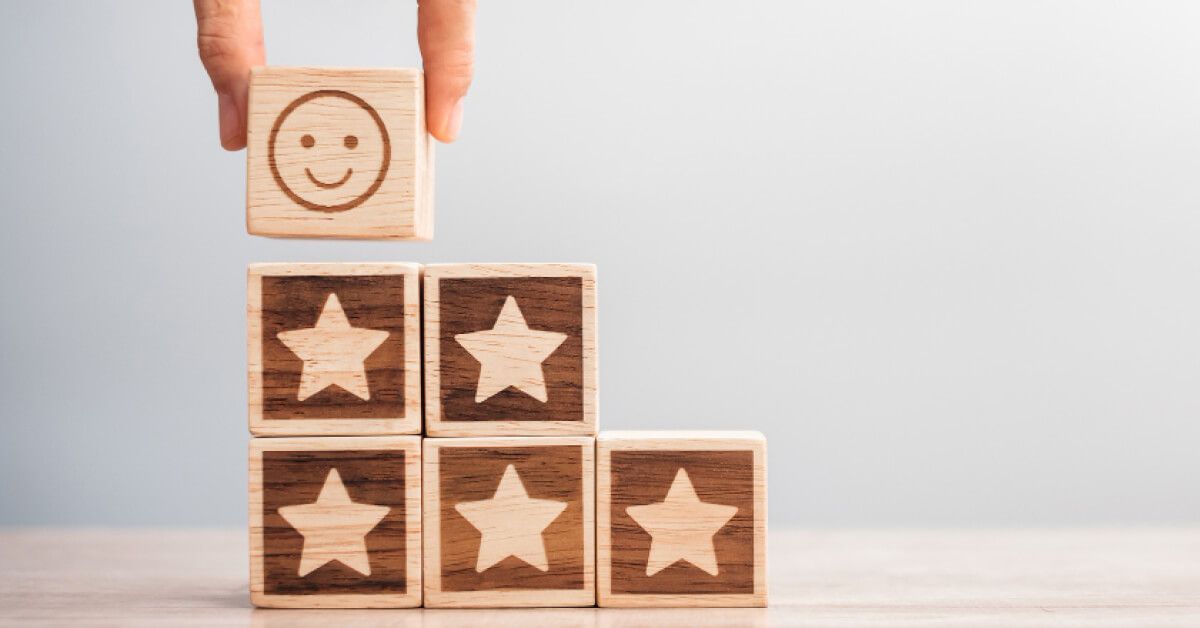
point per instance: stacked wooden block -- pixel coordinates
(428, 435)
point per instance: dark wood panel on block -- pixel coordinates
(334, 349)
(510, 349)
(335, 522)
(681, 519)
(509, 521)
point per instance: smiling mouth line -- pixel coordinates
(322, 184)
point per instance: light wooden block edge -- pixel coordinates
(413, 520)
(412, 420)
(423, 194)
(685, 440)
(435, 426)
(423, 155)
(436, 598)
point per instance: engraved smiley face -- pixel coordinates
(329, 151)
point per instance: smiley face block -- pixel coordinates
(335, 522)
(334, 349)
(338, 153)
(681, 519)
(509, 521)
(510, 349)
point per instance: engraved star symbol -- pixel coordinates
(334, 528)
(333, 352)
(682, 527)
(511, 523)
(510, 354)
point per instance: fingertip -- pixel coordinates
(450, 124)
(233, 144)
(233, 132)
(446, 34)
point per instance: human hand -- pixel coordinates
(230, 40)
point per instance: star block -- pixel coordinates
(509, 521)
(339, 153)
(334, 349)
(681, 519)
(335, 522)
(510, 349)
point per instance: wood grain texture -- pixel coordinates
(283, 298)
(554, 505)
(482, 377)
(290, 473)
(341, 153)
(661, 501)
(1074, 577)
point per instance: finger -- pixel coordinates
(229, 37)
(446, 32)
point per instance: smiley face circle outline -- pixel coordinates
(383, 134)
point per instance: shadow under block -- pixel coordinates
(339, 153)
(509, 521)
(510, 349)
(334, 349)
(335, 522)
(681, 519)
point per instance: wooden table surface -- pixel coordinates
(1066, 577)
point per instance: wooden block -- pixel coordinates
(335, 522)
(509, 521)
(510, 349)
(681, 518)
(334, 349)
(339, 153)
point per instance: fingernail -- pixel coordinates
(228, 116)
(454, 121)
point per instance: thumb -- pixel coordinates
(229, 38)
(446, 33)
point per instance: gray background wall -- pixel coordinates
(943, 254)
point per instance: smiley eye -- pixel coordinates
(350, 141)
(307, 141)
